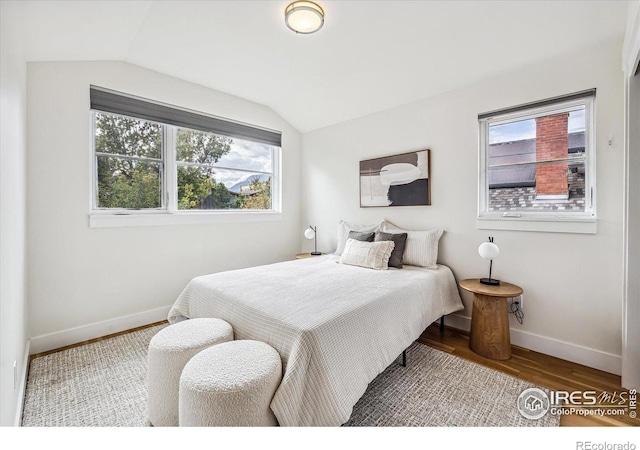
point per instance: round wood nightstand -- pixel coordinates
(490, 335)
(305, 255)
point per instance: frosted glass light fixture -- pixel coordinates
(304, 17)
(310, 233)
(489, 250)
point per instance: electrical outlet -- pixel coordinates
(15, 375)
(521, 300)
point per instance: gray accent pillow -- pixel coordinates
(397, 256)
(362, 236)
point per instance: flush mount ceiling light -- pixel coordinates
(304, 17)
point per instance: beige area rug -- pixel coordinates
(103, 384)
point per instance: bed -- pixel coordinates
(335, 326)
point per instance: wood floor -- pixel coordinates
(539, 369)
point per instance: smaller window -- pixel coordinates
(537, 165)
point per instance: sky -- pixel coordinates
(245, 155)
(526, 129)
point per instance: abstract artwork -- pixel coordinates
(399, 180)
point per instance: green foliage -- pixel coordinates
(200, 147)
(261, 198)
(220, 197)
(196, 184)
(196, 191)
(139, 187)
(125, 136)
(127, 183)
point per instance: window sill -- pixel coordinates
(579, 225)
(111, 220)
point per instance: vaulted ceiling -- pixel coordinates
(368, 57)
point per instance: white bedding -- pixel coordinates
(335, 326)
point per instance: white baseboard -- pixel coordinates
(71, 336)
(596, 359)
(22, 383)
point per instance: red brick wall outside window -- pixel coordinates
(552, 143)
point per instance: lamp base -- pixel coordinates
(316, 253)
(490, 281)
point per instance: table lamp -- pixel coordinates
(489, 250)
(310, 233)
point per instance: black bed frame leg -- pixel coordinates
(404, 353)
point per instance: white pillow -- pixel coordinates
(343, 233)
(373, 255)
(421, 248)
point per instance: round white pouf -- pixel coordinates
(229, 385)
(169, 350)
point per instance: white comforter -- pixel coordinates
(335, 326)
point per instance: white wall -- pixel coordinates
(13, 149)
(80, 276)
(572, 283)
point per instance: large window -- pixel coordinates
(537, 165)
(153, 158)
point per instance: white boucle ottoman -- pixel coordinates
(229, 385)
(169, 350)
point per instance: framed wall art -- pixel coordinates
(398, 180)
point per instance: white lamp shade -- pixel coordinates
(309, 233)
(488, 250)
(304, 17)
